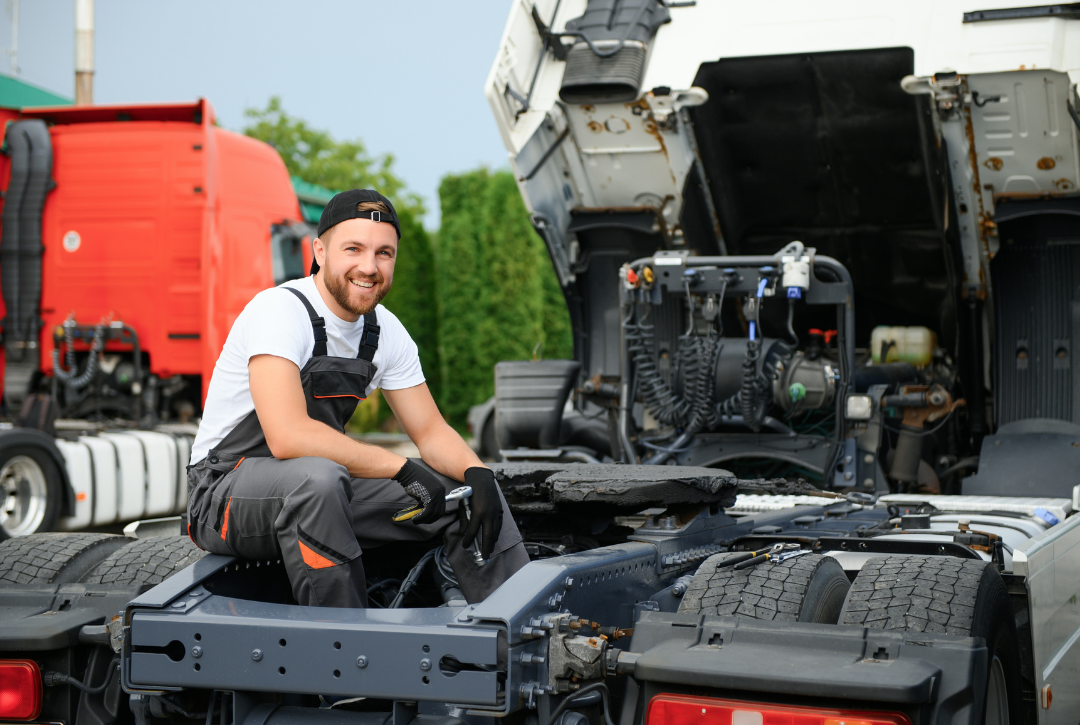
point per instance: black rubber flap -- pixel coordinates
(1036, 282)
(1034, 457)
(539, 486)
(794, 658)
(529, 400)
(42, 619)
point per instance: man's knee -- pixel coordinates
(323, 478)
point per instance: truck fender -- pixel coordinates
(13, 437)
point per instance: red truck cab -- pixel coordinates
(161, 223)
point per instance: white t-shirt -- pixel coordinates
(276, 323)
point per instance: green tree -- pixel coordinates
(413, 297)
(461, 304)
(314, 156)
(512, 300)
(514, 296)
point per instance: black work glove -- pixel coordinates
(426, 488)
(485, 509)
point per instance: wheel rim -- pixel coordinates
(997, 697)
(23, 496)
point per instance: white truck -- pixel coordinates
(691, 164)
(102, 476)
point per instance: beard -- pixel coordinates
(340, 287)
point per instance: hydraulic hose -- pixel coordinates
(695, 409)
(411, 579)
(755, 392)
(792, 337)
(656, 394)
(69, 377)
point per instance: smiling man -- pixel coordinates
(272, 472)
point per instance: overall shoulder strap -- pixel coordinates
(369, 341)
(318, 324)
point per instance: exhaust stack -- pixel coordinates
(84, 52)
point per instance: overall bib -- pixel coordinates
(309, 511)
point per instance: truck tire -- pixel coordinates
(964, 597)
(146, 562)
(31, 493)
(808, 588)
(45, 559)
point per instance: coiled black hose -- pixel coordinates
(755, 391)
(656, 394)
(755, 395)
(69, 377)
(695, 409)
(698, 357)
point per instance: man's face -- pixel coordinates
(357, 264)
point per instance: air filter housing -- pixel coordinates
(607, 62)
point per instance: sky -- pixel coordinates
(406, 76)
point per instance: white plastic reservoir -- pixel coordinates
(913, 345)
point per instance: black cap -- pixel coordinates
(343, 207)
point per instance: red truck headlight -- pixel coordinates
(685, 710)
(20, 690)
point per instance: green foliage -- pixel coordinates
(414, 300)
(502, 299)
(365, 418)
(314, 156)
(460, 296)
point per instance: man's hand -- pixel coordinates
(426, 488)
(487, 513)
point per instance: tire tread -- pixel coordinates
(39, 559)
(915, 594)
(146, 561)
(773, 591)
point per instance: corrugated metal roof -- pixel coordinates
(16, 93)
(312, 199)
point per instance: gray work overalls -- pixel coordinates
(309, 511)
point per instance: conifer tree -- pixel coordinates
(461, 295)
(512, 301)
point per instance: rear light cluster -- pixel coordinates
(684, 710)
(20, 690)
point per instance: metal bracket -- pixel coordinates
(403, 712)
(255, 647)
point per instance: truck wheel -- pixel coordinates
(948, 595)
(38, 559)
(808, 588)
(30, 491)
(146, 562)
